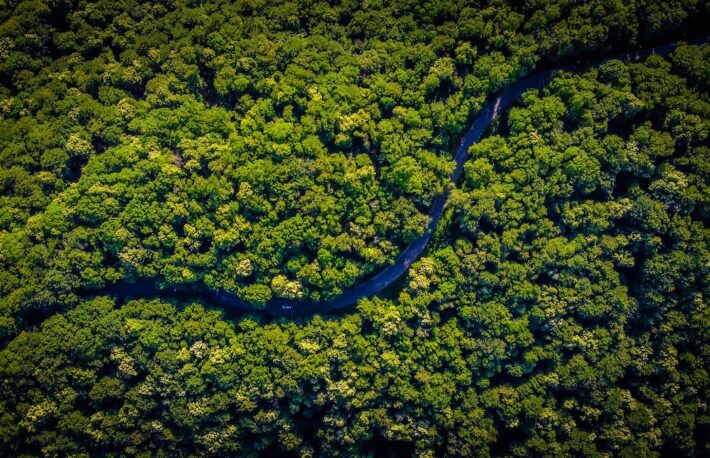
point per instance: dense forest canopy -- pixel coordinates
(266, 149)
(292, 149)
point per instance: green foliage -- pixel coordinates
(585, 263)
(180, 139)
(290, 149)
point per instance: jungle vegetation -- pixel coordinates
(291, 149)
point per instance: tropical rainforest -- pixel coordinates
(292, 149)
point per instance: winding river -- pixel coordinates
(387, 276)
